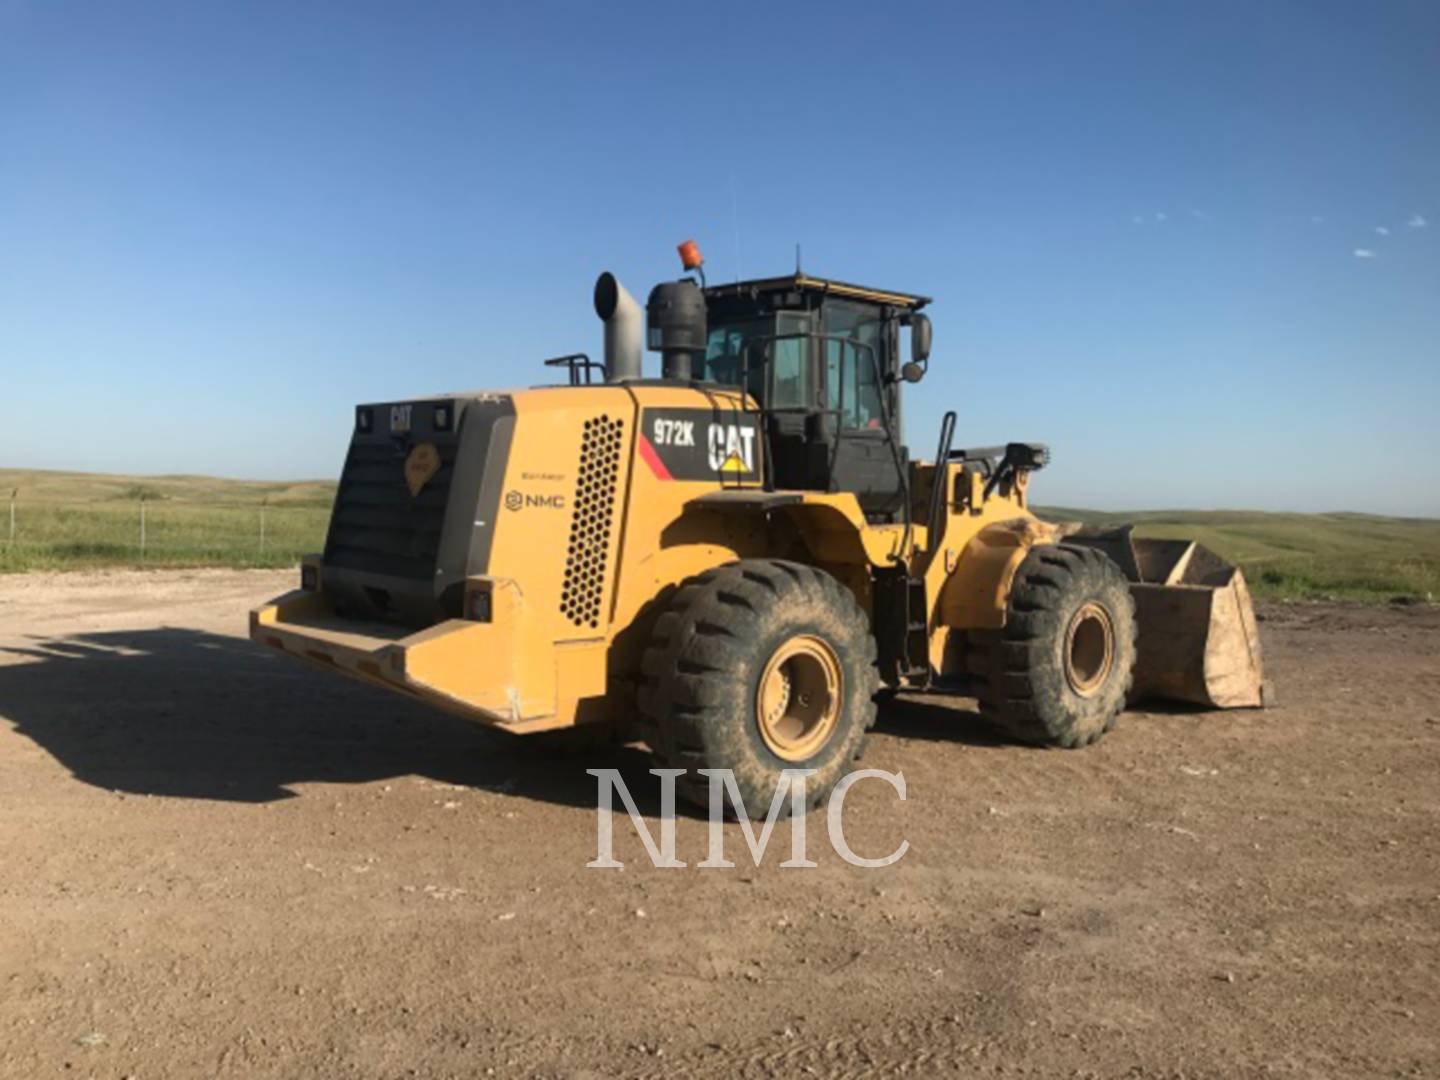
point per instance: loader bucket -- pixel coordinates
(1198, 641)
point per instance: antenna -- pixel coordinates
(798, 271)
(735, 224)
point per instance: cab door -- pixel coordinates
(855, 348)
(800, 435)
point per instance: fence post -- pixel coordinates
(142, 526)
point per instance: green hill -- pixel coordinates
(66, 520)
(45, 486)
(1339, 555)
(69, 519)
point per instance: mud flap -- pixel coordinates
(1198, 640)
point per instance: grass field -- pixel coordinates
(72, 520)
(67, 520)
(1302, 556)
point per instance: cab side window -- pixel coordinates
(850, 385)
(776, 348)
(789, 362)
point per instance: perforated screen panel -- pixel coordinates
(594, 512)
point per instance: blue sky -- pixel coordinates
(222, 224)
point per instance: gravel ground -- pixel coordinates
(219, 863)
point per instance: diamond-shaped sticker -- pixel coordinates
(421, 466)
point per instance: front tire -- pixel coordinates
(756, 667)
(1059, 672)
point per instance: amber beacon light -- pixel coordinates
(690, 256)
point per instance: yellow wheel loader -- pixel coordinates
(733, 560)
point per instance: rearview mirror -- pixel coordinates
(912, 372)
(919, 339)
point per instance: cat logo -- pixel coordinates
(700, 444)
(732, 448)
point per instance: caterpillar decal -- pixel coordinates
(700, 444)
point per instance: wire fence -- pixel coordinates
(156, 532)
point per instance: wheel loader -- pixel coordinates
(734, 559)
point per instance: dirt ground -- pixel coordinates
(219, 863)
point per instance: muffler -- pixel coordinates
(1198, 640)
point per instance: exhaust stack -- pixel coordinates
(623, 321)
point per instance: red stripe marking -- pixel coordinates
(653, 459)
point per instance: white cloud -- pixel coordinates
(1138, 220)
(1417, 222)
(1317, 220)
(1364, 253)
(1380, 230)
(1199, 215)
(1162, 217)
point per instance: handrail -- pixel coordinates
(937, 482)
(578, 363)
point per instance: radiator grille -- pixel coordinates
(584, 585)
(378, 526)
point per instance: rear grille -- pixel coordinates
(378, 527)
(584, 586)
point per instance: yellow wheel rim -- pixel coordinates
(1089, 649)
(797, 702)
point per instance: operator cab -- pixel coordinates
(822, 358)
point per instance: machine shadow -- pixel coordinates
(938, 719)
(189, 714)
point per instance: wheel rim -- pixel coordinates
(797, 701)
(1089, 649)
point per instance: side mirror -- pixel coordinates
(912, 372)
(919, 339)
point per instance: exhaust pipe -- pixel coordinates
(623, 321)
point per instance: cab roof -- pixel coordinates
(806, 283)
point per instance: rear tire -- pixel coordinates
(1059, 672)
(760, 666)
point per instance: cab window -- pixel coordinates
(791, 388)
(749, 343)
(850, 363)
(725, 346)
